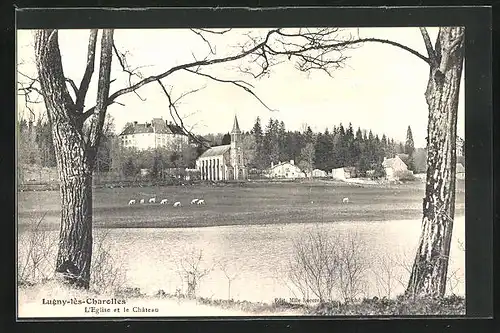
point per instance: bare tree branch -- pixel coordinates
(428, 45)
(204, 62)
(212, 50)
(96, 125)
(188, 93)
(236, 83)
(215, 32)
(126, 69)
(350, 42)
(73, 86)
(27, 92)
(174, 113)
(322, 41)
(89, 70)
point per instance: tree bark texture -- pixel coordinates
(429, 272)
(73, 164)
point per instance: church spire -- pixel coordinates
(236, 127)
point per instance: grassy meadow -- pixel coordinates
(244, 203)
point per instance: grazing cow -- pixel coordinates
(131, 202)
(177, 204)
(201, 202)
(142, 201)
(152, 200)
(163, 202)
(194, 201)
(345, 200)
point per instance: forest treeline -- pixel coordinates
(263, 145)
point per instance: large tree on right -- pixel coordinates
(446, 58)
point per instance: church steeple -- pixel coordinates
(236, 127)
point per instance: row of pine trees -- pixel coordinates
(343, 146)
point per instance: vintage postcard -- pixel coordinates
(289, 171)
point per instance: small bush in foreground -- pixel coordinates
(450, 306)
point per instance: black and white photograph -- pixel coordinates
(213, 172)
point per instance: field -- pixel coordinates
(246, 203)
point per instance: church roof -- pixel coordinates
(216, 151)
(236, 127)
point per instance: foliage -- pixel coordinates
(409, 144)
(331, 149)
(452, 305)
(226, 139)
(37, 264)
(420, 160)
(404, 175)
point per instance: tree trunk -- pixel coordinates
(75, 238)
(73, 163)
(428, 276)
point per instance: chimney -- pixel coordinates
(385, 158)
(292, 162)
(272, 164)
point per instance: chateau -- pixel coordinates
(224, 162)
(157, 134)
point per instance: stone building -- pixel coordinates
(224, 162)
(156, 134)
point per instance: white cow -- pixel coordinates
(201, 202)
(152, 200)
(345, 200)
(194, 201)
(142, 201)
(177, 204)
(163, 202)
(131, 202)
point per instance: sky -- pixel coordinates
(381, 87)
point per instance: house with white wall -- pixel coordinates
(286, 170)
(344, 173)
(394, 167)
(156, 134)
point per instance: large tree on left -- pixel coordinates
(75, 145)
(76, 132)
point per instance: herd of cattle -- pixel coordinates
(165, 202)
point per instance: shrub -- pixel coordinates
(191, 271)
(37, 258)
(404, 175)
(106, 274)
(326, 266)
(36, 254)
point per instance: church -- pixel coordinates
(224, 162)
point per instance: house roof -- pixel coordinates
(390, 162)
(135, 129)
(216, 151)
(175, 129)
(157, 125)
(284, 163)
